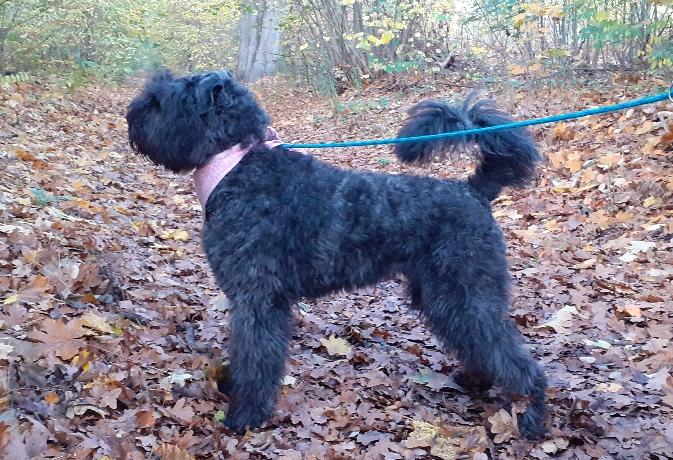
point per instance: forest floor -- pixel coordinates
(111, 325)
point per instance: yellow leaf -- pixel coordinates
(649, 201)
(516, 69)
(518, 19)
(178, 235)
(96, 322)
(386, 38)
(609, 387)
(11, 299)
(557, 159)
(79, 186)
(51, 398)
(336, 346)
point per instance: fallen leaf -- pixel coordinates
(179, 377)
(428, 435)
(553, 446)
(504, 426)
(179, 235)
(98, 323)
(560, 321)
(649, 201)
(610, 387)
(336, 346)
(81, 409)
(37, 291)
(51, 398)
(62, 339)
(145, 419)
(181, 411)
(173, 452)
(659, 379)
(5, 350)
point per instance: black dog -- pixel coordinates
(282, 225)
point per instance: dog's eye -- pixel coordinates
(154, 103)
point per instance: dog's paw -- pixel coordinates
(532, 432)
(238, 422)
(235, 426)
(531, 425)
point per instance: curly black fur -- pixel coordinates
(283, 225)
(507, 158)
(181, 123)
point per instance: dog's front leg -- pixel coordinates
(260, 334)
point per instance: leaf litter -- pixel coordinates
(111, 327)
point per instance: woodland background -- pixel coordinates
(332, 42)
(112, 330)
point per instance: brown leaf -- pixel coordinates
(504, 426)
(145, 419)
(109, 398)
(563, 132)
(181, 411)
(60, 338)
(88, 278)
(37, 291)
(173, 452)
(5, 435)
(13, 315)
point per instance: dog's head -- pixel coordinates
(180, 123)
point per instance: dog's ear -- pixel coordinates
(209, 89)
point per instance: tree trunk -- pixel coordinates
(260, 39)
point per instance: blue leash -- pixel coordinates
(490, 129)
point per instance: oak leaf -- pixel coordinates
(336, 346)
(63, 339)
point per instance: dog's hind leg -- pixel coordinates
(260, 334)
(470, 318)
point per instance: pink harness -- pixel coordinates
(208, 176)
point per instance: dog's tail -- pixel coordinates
(506, 158)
